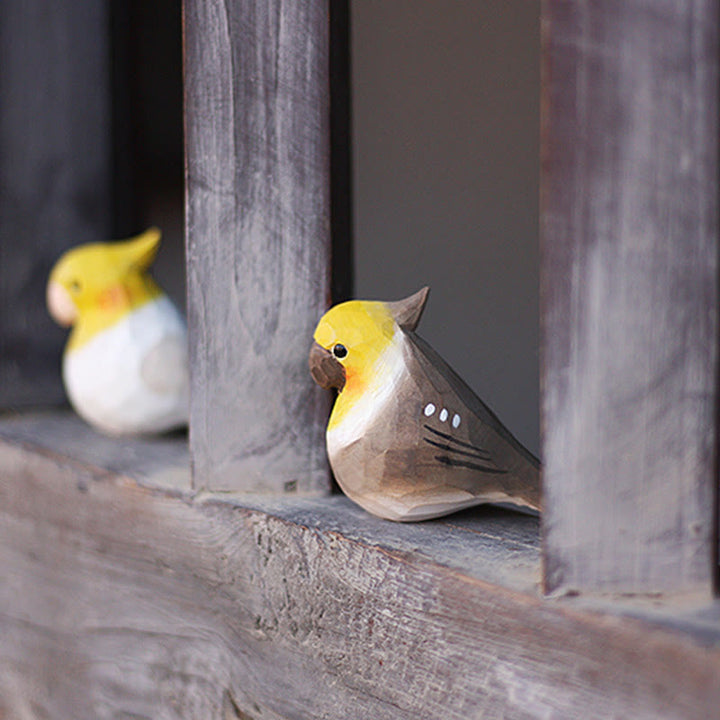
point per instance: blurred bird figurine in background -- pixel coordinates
(407, 438)
(125, 363)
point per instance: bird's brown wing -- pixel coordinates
(463, 434)
(433, 448)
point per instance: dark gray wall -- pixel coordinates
(55, 175)
(446, 146)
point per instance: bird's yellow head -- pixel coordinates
(351, 339)
(93, 286)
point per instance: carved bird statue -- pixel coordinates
(407, 439)
(125, 366)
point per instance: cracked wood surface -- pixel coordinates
(127, 598)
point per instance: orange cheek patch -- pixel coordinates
(354, 384)
(114, 298)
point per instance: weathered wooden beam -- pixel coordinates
(120, 599)
(55, 176)
(630, 294)
(258, 240)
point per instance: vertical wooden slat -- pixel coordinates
(257, 143)
(55, 182)
(629, 293)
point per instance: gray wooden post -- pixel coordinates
(630, 293)
(258, 239)
(55, 156)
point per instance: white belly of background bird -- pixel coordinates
(125, 365)
(133, 376)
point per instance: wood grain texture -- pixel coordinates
(120, 600)
(258, 240)
(55, 154)
(629, 294)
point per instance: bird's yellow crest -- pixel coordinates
(363, 329)
(93, 286)
(358, 335)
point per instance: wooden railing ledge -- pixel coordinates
(125, 593)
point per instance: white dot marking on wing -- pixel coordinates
(429, 409)
(456, 421)
(443, 415)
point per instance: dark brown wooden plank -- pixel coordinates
(125, 601)
(55, 177)
(258, 208)
(629, 293)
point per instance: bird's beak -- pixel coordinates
(60, 305)
(326, 371)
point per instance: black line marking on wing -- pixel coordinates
(445, 460)
(451, 439)
(445, 446)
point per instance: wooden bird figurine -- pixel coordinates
(125, 364)
(407, 438)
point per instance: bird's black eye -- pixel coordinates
(75, 286)
(339, 351)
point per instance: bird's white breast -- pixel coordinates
(133, 376)
(388, 373)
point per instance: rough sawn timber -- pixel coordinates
(120, 599)
(629, 294)
(258, 240)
